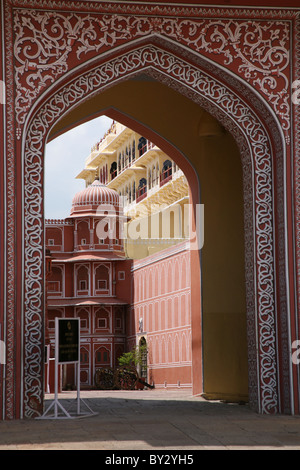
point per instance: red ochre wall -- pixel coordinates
(161, 314)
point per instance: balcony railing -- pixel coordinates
(114, 174)
(148, 146)
(166, 176)
(141, 193)
(143, 150)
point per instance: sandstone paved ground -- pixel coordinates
(152, 420)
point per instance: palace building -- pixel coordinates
(124, 290)
(213, 88)
(154, 190)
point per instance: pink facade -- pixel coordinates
(89, 279)
(118, 301)
(161, 314)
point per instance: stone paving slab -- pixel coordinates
(152, 420)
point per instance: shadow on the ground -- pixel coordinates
(132, 421)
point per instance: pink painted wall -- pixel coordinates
(161, 312)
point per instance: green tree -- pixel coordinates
(133, 359)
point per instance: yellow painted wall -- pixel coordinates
(161, 229)
(217, 163)
(223, 279)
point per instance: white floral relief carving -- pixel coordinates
(47, 42)
(297, 156)
(236, 111)
(9, 383)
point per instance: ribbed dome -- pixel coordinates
(95, 195)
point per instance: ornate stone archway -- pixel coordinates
(173, 49)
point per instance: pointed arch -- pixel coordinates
(218, 92)
(177, 349)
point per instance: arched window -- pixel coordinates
(51, 315)
(149, 178)
(143, 356)
(84, 315)
(83, 233)
(82, 282)
(142, 146)
(130, 194)
(55, 281)
(167, 164)
(142, 183)
(102, 279)
(84, 355)
(166, 172)
(102, 355)
(133, 192)
(142, 189)
(113, 170)
(102, 320)
(119, 320)
(153, 175)
(54, 237)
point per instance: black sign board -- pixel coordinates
(68, 340)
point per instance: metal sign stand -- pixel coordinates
(47, 361)
(58, 410)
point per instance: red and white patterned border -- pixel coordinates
(254, 144)
(50, 38)
(46, 44)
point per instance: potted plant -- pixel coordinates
(130, 363)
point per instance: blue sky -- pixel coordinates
(65, 157)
